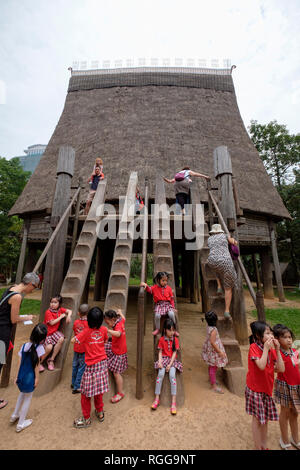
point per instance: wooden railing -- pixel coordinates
(141, 303)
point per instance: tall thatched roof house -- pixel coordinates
(154, 120)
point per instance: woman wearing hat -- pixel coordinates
(219, 260)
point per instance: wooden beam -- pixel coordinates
(278, 277)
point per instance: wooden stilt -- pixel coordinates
(266, 270)
(278, 277)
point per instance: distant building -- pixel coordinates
(33, 155)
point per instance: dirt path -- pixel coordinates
(207, 420)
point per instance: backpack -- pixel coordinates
(234, 251)
(180, 176)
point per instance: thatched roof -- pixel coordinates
(152, 120)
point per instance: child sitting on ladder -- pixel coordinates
(94, 185)
(116, 349)
(168, 346)
(55, 338)
(163, 298)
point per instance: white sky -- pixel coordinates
(40, 39)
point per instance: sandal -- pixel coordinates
(13, 418)
(3, 403)
(25, 425)
(297, 445)
(155, 404)
(173, 409)
(218, 390)
(50, 364)
(283, 445)
(116, 398)
(41, 368)
(82, 423)
(99, 415)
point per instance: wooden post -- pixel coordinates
(276, 263)
(223, 172)
(53, 275)
(97, 289)
(75, 227)
(256, 270)
(266, 271)
(21, 262)
(260, 307)
(210, 206)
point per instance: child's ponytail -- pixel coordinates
(38, 334)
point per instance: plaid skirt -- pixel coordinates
(162, 307)
(53, 339)
(116, 363)
(261, 406)
(287, 395)
(166, 361)
(95, 379)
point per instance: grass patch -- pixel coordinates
(134, 281)
(288, 316)
(28, 306)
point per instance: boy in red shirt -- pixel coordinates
(116, 349)
(78, 364)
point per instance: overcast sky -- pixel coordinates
(40, 39)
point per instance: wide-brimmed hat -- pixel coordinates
(216, 228)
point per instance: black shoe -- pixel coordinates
(75, 391)
(72, 386)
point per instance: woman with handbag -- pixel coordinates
(220, 260)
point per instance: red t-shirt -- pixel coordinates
(161, 294)
(118, 345)
(93, 341)
(260, 380)
(291, 375)
(53, 315)
(166, 345)
(79, 325)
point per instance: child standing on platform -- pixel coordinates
(168, 346)
(116, 349)
(78, 364)
(55, 338)
(287, 388)
(163, 298)
(28, 375)
(213, 352)
(260, 379)
(94, 382)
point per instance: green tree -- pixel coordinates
(12, 182)
(280, 153)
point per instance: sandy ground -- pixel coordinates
(206, 421)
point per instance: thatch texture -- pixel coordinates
(151, 124)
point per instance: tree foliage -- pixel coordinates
(280, 153)
(12, 182)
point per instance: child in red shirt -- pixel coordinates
(78, 364)
(163, 298)
(94, 381)
(260, 379)
(116, 349)
(55, 338)
(287, 387)
(168, 346)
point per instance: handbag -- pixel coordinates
(234, 251)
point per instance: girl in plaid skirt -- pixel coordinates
(168, 346)
(55, 338)
(94, 381)
(287, 388)
(163, 298)
(260, 379)
(116, 349)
